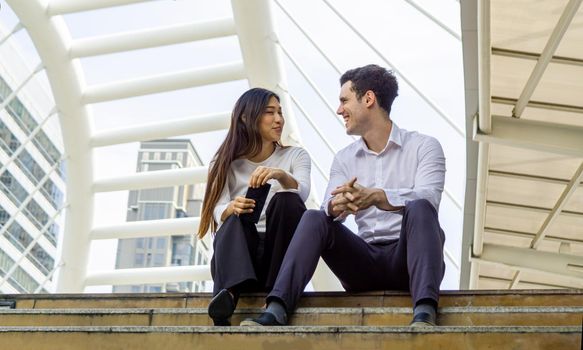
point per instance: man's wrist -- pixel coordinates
(381, 200)
(378, 197)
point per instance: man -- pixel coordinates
(391, 180)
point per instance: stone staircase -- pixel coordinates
(330, 320)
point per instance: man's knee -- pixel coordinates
(420, 206)
(314, 216)
(313, 223)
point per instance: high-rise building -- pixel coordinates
(164, 203)
(32, 185)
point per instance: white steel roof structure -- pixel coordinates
(524, 96)
(259, 55)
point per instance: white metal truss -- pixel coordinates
(561, 202)
(149, 228)
(22, 84)
(153, 179)
(545, 57)
(163, 83)
(261, 66)
(51, 39)
(532, 260)
(261, 55)
(434, 19)
(495, 131)
(149, 275)
(153, 37)
(551, 218)
(58, 52)
(62, 7)
(157, 130)
(536, 135)
(14, 30)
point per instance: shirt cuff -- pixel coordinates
(395, 199)
(218, 212)
(325, 206)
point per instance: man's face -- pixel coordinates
(352, 110)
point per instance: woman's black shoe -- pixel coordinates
(221, 308)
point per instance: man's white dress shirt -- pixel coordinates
(411, 166)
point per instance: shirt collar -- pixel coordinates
(394, 138)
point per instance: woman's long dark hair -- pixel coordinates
(243, 139)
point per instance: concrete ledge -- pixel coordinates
(297, 329)
(300, 311)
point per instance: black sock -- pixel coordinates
(428, 306)
(278, 310)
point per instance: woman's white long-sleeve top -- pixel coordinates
(293, 160)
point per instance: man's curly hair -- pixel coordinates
(376, 79)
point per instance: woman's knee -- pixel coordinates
(286, 203)
(289, 198)
(231, 224)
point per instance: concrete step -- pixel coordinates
(367, 316)
(319, 299)
(292, 337)
(378, 320)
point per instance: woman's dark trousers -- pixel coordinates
(243, 260)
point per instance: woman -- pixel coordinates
(247, 256)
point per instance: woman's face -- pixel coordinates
(271, 122)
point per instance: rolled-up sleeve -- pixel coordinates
(429, 178)
(301, 166)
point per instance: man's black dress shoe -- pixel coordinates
(221, 308)
(265, 319)
(422, 319)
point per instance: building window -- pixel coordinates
(154, 211)
(159, 260)
(139, 260)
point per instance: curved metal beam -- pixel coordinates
(152, 179)
(160, 130)
(52, 40)
(152, 37)
(61, 7)
(263, 64)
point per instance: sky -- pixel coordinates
(407, 41)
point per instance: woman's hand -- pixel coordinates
(239, 205)
(262, 174)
